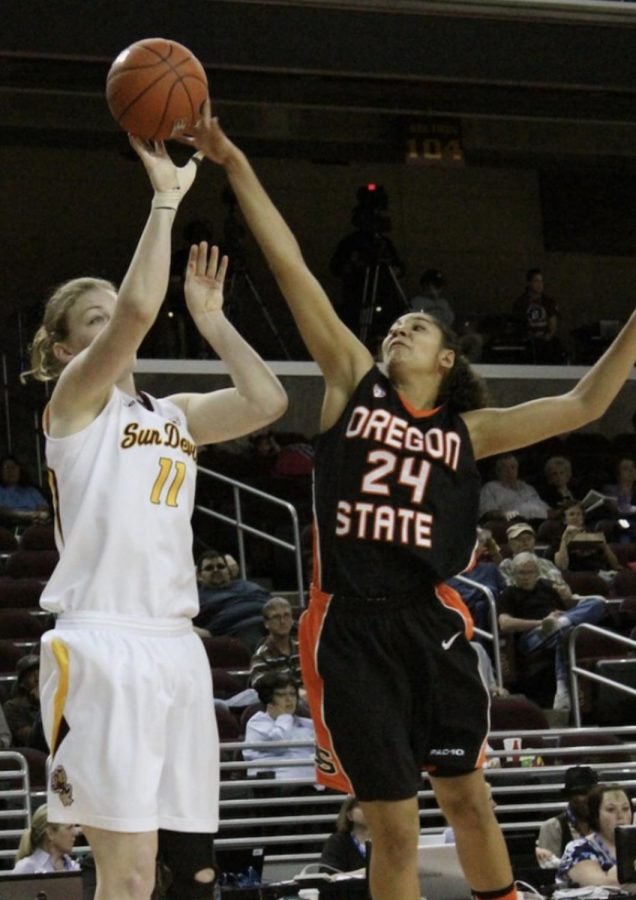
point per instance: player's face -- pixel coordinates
(416, 339)
(614, 810)
(88, 316)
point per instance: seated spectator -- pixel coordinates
(228, 605)
(624, 493)
(45, 847)
(508, 495)
(573, 823)
(20, 502)
(346, 849)
(486, 572)
(522, 539)
(559, 488)
(532, 610)
(581, 550)
(278, 654)
(591, 860)
(279, 723)
(431, 298)
(538, 316)
(22, 709)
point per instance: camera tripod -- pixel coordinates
(368, 306)
(240, 283)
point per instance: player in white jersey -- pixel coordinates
(126, 690)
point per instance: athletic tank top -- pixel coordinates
(396, 495)
(123, 494)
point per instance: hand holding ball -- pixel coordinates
(156, 88)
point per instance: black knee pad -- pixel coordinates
(185, 854)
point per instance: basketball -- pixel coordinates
(156, 88)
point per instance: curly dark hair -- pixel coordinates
(462, 388)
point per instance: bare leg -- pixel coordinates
(125, 863)
(395, 828)
(480, 844)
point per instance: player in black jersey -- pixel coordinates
(392, 679)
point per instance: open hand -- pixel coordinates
(204, 279)
(209, 138)
(163, 174)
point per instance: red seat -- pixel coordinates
(225, 684)
(227, 652)
(625, 583)
(38, 537)
(21, 624)
(20, 593)
(587, 758)
(624, 553)
(516, 713)
(586, 583)
(228, 726)
(8, 540)
(32, 563)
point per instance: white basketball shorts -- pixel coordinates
(128, 713)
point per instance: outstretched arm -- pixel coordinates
(92, 370)
(499, 430)
(257, 397)
(342, 358)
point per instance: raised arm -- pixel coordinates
(97, 354)
(342, 358)
(499, 430)
(257, 397)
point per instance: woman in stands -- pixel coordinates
(591, 860)
(45, 847)
(20, 502)
(392, 680)
(125, 684)
(346, 849)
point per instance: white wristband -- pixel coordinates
(166, 199)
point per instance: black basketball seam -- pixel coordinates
(167, 104)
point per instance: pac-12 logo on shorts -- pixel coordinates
(60, 785)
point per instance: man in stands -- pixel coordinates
(278, 654)
(533, 610)
(228, 605)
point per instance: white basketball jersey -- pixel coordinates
(123, 491)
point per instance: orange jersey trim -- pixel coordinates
(451, 599)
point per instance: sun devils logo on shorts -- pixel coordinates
(60, 785)
(378, 391)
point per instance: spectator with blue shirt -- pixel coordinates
(20, 502)
(591, 860)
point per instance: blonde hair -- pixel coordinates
(54, 328)
(35, 836)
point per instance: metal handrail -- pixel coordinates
(12, 794)
(576, 671)
(494, 635)
(242, 527)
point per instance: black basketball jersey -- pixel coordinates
(396, 495)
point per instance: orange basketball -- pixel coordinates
(156, 88)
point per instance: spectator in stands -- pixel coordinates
(538, 316)
(591, 860)
(572, 823)
(431, 298)
(22, 709)
(508, 495)
(20, 502)
(278, 724)
(485, 572)
(623, 491)
(581, 550)
(346, 849)
(45, 847)
(279, 651)
(559, 488)
(522, 539)
(228, 605)
(534, 611)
